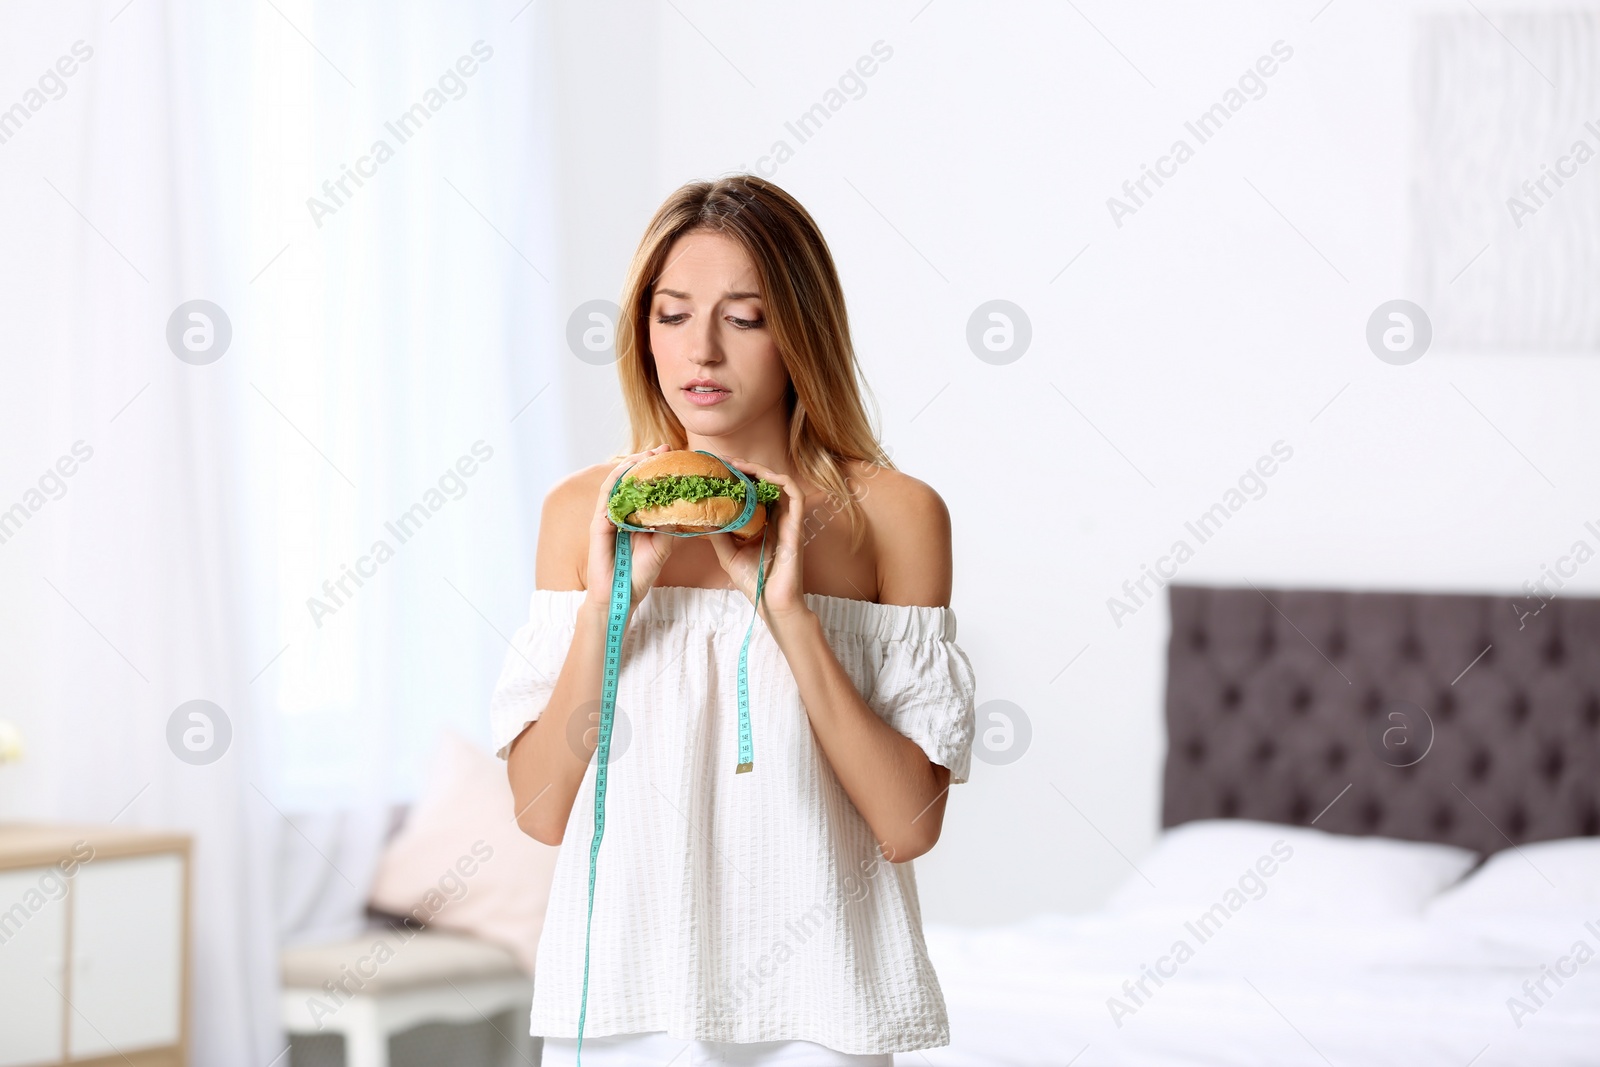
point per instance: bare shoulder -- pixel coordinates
(911, 530)
(563, 551)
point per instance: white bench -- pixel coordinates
(391, 979)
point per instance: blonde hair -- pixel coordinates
(805, 312)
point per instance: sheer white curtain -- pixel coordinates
(395, 463)
(401, 332)
(124, 590)
(375, 388)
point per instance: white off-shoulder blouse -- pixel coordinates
(740, 907)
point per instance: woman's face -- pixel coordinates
(719, 368)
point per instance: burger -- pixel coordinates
(684, 491)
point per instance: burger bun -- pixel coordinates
(699, 516)
(680, 462)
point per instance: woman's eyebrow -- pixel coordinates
(726, 296)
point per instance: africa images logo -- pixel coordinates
(1202, 128)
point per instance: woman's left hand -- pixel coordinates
(782, 595)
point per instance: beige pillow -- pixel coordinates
(461, 863)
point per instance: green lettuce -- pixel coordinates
(630, 495)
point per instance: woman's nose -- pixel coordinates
(703, 347)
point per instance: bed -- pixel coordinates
(1380, 816)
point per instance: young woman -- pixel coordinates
(768, 917)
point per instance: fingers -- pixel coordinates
(651, 551)
(750, 467)
(766, 474)
(728, 549)
(784, 514)
(791, 488)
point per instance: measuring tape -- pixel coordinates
(616, 624)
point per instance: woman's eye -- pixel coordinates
(743, 324)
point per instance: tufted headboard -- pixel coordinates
(1277, 700)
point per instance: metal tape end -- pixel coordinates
(744, 767)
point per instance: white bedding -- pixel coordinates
(1267, 987)
(1396, 992)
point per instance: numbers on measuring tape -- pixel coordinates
(616, 626)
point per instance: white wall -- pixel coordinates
(977, 165)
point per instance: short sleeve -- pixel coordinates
(532, 664)
(925, 688)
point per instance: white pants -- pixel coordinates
(659, 1050)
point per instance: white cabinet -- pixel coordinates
(33, 941)
(127, 972)
(93, 946)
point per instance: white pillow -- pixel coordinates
(1562, 875)
(461, 863)
(1270, 868)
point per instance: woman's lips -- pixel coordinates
(705, 400)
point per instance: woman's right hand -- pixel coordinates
(650, 550)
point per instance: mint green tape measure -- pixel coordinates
(621, 596)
